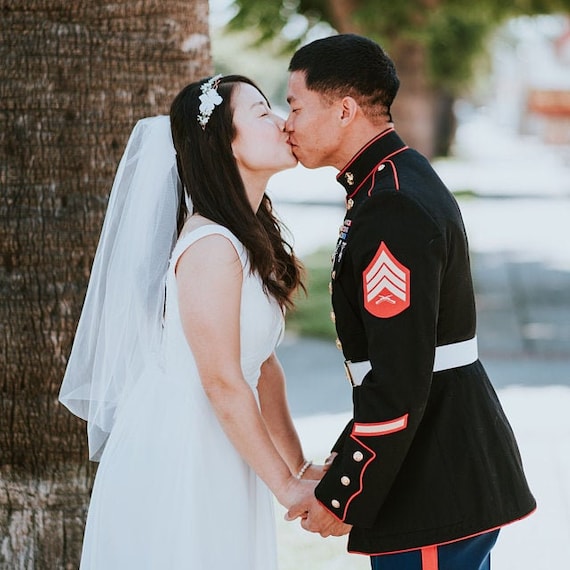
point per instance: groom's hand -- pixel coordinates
(315, 518)
(318, 519)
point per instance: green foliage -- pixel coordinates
(454, 32)
(235, 53)
(454, 38)
(311, 316)
(268, 18)
(385, 21)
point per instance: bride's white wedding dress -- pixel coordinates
(171, 492)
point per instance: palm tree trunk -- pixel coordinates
(75, 77)
(423, 115)
(415, 108)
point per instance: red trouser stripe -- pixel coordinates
(429, 558)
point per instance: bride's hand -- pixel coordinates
(315, 472)
(329, 460)
(298, 498)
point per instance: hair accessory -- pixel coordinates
(209, 99)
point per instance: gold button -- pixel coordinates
(345, 480)
(357, 456)
(349, 203)
(349, 178)
(333, 274)
(333, 317)
(330, 287)
(338, 343)
(335, 503)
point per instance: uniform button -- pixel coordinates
(381, 167)
(357, 456)
(349, 203)
(335, 503)
(333, 274)
(330, 287)
(333, 317)
(345, 480)
(338, 343)
(349, 178)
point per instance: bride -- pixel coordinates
(173, 363)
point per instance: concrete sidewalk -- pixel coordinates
(520, 244)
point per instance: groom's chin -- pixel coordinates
(303, 160)
(308, 164)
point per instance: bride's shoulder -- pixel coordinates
(211, 242)
(194, 222)
(197, 226)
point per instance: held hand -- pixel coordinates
(298, 498)
(315, 472)
(329, 460)
(322, 521)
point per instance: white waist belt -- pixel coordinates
(446, 357)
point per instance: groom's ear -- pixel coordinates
(348, 110)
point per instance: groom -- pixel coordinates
(428, 469)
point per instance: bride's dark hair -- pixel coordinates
(210, 175)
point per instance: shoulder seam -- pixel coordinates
(210, 229)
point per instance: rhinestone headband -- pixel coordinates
(209, 99)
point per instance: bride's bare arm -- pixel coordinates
(275, 411)
(209, 278)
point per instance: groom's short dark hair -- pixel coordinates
(348, 64)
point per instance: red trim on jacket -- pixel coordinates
(376, 169)
(394, 171)
(364, 467)
(367, 145)
(444, 543)
(381, 428)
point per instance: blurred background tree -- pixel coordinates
(438, 46)
(75, 77)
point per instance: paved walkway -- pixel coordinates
(519, 230)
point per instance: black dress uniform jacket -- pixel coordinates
(429, 457)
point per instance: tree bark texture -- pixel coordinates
(74, 79)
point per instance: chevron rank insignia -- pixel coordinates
(386, 285)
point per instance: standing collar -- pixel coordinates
(381, 147)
